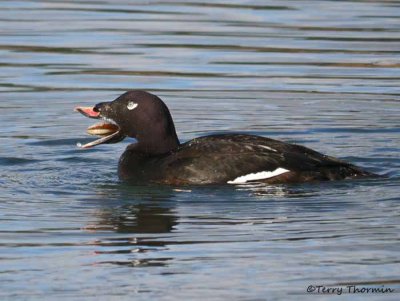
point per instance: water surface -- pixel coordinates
(324, 74)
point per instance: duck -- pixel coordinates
(159, 157)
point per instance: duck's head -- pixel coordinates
(137, 114)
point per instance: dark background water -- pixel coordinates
(324, 74)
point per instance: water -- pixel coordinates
(324, 74)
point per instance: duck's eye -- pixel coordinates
(131, 105)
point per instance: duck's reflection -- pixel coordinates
(130, 223)
(137, 226)
(138, 218)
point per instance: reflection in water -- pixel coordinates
(132, 212)
(139, 219)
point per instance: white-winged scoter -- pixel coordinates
(158, 156)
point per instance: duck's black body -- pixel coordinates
(221, 159)
(158, 157)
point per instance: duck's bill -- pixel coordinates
(112, 138)
(107, 130)
(88, 112)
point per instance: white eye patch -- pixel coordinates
(131, 105)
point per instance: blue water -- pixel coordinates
(324, 74)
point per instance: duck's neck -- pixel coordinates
(158, 140)
(157, 146)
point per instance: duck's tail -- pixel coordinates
(347, 171)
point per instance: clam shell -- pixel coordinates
(102, 129)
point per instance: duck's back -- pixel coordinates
(235, 158)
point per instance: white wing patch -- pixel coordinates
(259, 176)
(131, 105)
